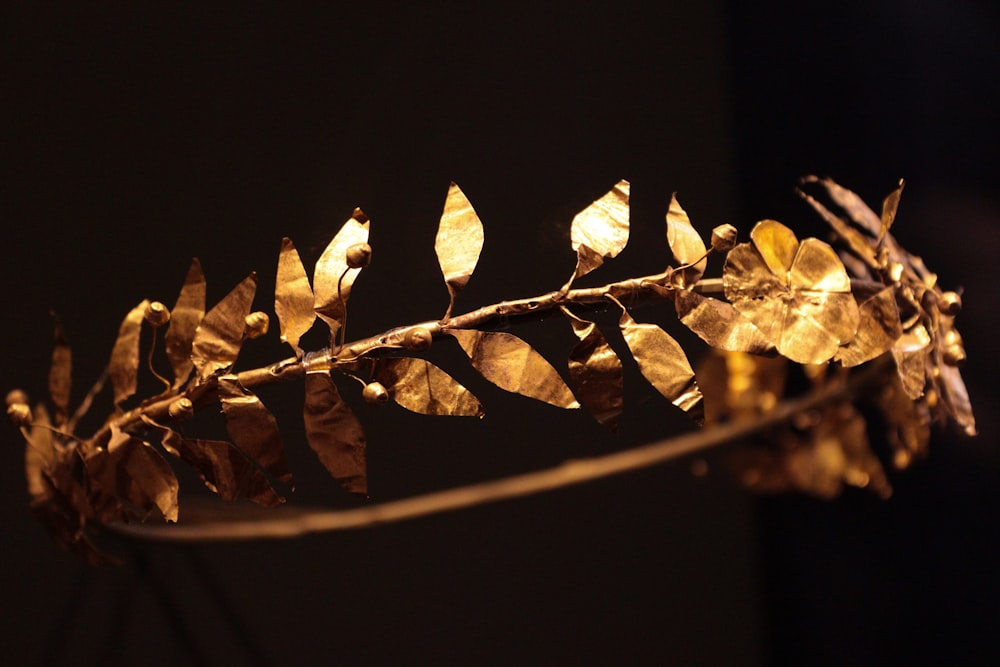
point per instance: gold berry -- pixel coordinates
(724, 238)
(19, 414)
(156, 314)
(950, 303)
(16, 396)
(375, 393)
(257, 324)
(359, 255)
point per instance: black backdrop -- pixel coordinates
(134, 139)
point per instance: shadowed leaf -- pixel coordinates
(686, 244)
(253, 428)
(293, 297)
(420, 386)
(60, 372)
(458, 243)
(878, 330)
(719, 324)
(334, 433)
(911, 352)
(124, 365)
(223, 468)
(219, 337)
(133, 475)
(956, 399)
(663, 363)
(512, 364)
(184, 321)
(601, 230)
(596, 373)
(332, 271)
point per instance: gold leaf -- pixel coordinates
(686, 244)
(956, 398)
(601, 230)
(293, 297)
(458, 243)
(911, 352)
(878, 330)
(223, 468)
(662, 362)
(889, 207)
(420, 386)
(40, 454)
(797, 294)
(184, 321)
(219, 337)
(596, 373)
(334, 433)
(124, 365)
(859, 244)
(719, 324)
(253, 428)
(332, 278)
(60, 372)
(513, 365)
(133, 476)
(853, 205)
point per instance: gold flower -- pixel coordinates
(797, 293)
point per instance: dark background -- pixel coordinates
(134, 139)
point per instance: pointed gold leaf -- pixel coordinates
(219, 337)
(184, 321)
(853, 205)
(601, 230)
(124, 365)
(223, 468)
(60, 372)
(889, 207)
(662, 362)
(596, 373)
(911, 352)
(253, 428)
(293, 297)
(458, 243)
(513, 365)
(878, 331)
(332, 272)
(956, 399)
(719, 324)
(335, 434)
(40, 455)
(420, 386)
(686, 244)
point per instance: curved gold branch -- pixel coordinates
(301, 522)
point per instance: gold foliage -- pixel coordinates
(872, 317)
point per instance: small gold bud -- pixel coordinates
(359, 255)
(16, 396)
(257, 324)
(181, 410)
(156, 314)
(724, 238)
(418, 339)
(954, 355)
(19, 414)
(950, 303)
(375, 393)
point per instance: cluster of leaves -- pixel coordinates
(785, 301)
